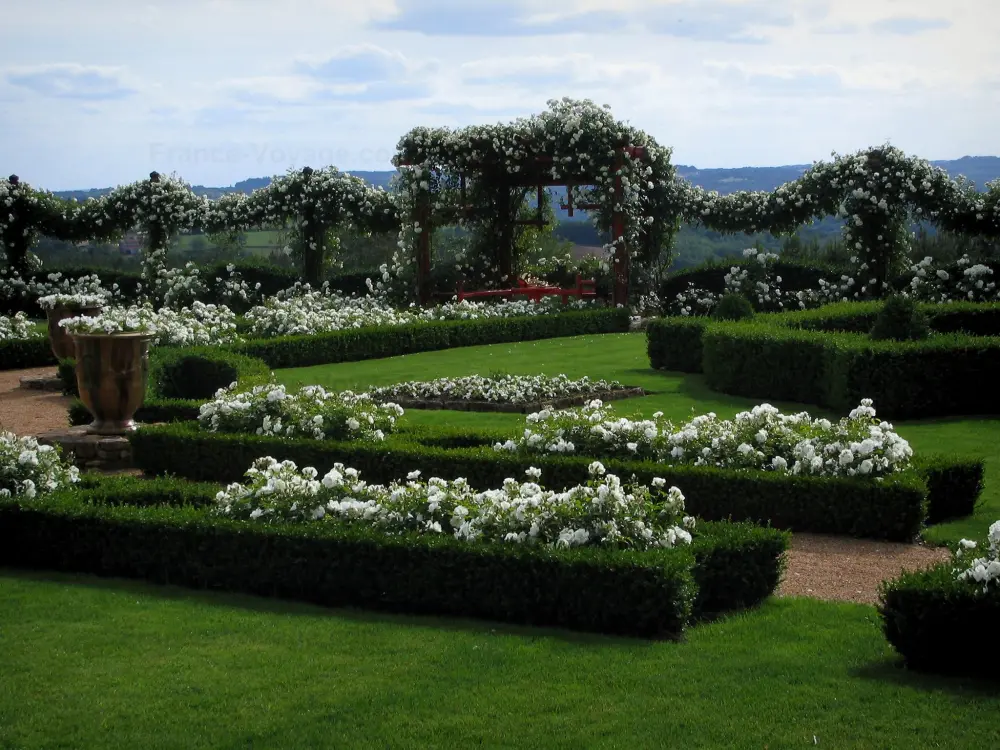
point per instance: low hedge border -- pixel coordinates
(621, 592)
(937, 622)
(391, 341)
(22, 354)
(734, 566)
(894, 508)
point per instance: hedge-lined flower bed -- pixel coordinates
(934, 618)
(492, 393)
(760, 439)
(28, 469)
(166, 531)
(310, 411)
(601, 512)
(893, 508)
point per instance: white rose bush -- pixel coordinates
(602, 512)
(17, 326)
(760, 439)
(310, 412)
(983, 570)
(28, 469)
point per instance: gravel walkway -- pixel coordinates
(823, 567)
(30, 412)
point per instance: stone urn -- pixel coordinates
(111, 374)
(61, 342)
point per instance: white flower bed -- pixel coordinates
(761, 439)
(306, 311)
(28, 469)
(13, 285)
(602, 512)
(309, 412)
(931, 284)
(501, 389)
(985, 569)
(17, 327)
(198, 325)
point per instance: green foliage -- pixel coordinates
(21, 354)
(900, 320)
(733, 307)
(954, 485)
(795, 276)
(940, 624)
(894, 508)
(623, 592)
(375, 343)
(154, 410)
(674, 343)
(193, 373)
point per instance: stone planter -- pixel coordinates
(111, 374)
(59, 340)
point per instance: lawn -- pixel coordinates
(103, 663)
(623, 357)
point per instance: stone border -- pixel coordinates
(109, 453)
(491, 406)
(42, 383)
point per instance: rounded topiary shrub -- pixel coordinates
(900, 320)
(198, 372)
(733, 307)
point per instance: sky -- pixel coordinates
(100, 93)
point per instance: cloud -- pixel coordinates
(360, 64)
(909, 25)
(72, 81)
(491, 18)
(838, 28)
(716, 21)
(798, 82)
(568, 71)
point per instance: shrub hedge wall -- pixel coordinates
(159, 530)
(894, 508)
(940, 624)
(22, 354)
(822, 357)
(392, 341)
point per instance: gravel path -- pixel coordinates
(844, 569)
(819, 566)
(30, 412)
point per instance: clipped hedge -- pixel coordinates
(954, 485)
(675, 343)
(795, 276)
(734, 566)
(622, 592)
(894, 508)
(390, 341)
(22, 354)
(940, 376)
(196, 373)
(940, 624)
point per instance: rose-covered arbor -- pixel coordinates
(478, 177)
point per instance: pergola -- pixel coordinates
(536, 171)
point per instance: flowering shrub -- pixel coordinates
(28, 469)
(179, 287)
(602, 512)
(17, 327)
(309, 412)
(12, 285)
(198, 325)
(761, 439)
(931, 284)
(504, 389)
(72, 301)
(985, 569)
(304, 311)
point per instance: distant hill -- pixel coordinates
(979, 169)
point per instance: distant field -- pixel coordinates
(260, 242)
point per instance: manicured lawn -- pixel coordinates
(623, 357)
(97, 663)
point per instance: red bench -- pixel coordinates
(583, 289)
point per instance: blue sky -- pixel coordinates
(100, 93)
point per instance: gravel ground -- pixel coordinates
(819, 566)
